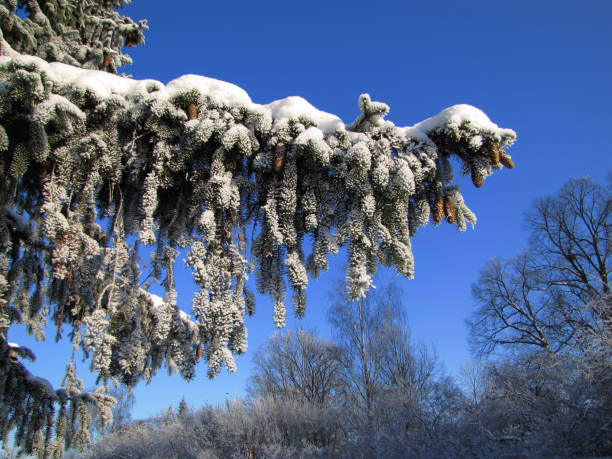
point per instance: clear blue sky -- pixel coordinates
(542, 68)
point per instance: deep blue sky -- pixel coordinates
(542, 68)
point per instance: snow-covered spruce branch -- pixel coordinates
(84, 33)
(29, 404)
(195, 163)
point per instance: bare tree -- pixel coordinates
(571, 234)
(364, 328)
(404, 363)
(410, 374)
(386, 376)
(474, 380)
(516, 308)
(547, 298)
(297, 366)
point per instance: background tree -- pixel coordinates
(93, 166)
(387, 380)
(550, 309)
(549, 297)
(297, 366)
(183, 409)
(473, 379)
(571, 234)
(365, 331)
(549, 404)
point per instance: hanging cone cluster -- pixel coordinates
(497, 156)
(480, 155)
(133, 38)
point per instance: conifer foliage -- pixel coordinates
(93, 166)
(88, 34)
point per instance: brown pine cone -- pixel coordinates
(477, 176)
(451, 211)
(279, 157)
(494, 153)
(506, 160)
(130, 38)
(438, 210)
(192, 112)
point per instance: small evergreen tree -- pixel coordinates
(90, 162)
(183, 409)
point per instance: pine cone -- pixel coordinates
(107, 60)
(438, 211)
(198, 355)
(494, 153)
(506, 160)
(477, 177)
(131, 39)
(192, 112)
(451, 211)
(279, 157)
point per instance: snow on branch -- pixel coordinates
(197, 164)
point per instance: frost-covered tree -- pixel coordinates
(550, 298)
(298, 366)
(93, 166)
(385, 379)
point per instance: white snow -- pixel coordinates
(158, 301)
(310, 135)
(457, 115)
(102, 84)
(13, 345)
(412, 132)
(293, 107)
(220, 91)
(105, 84)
